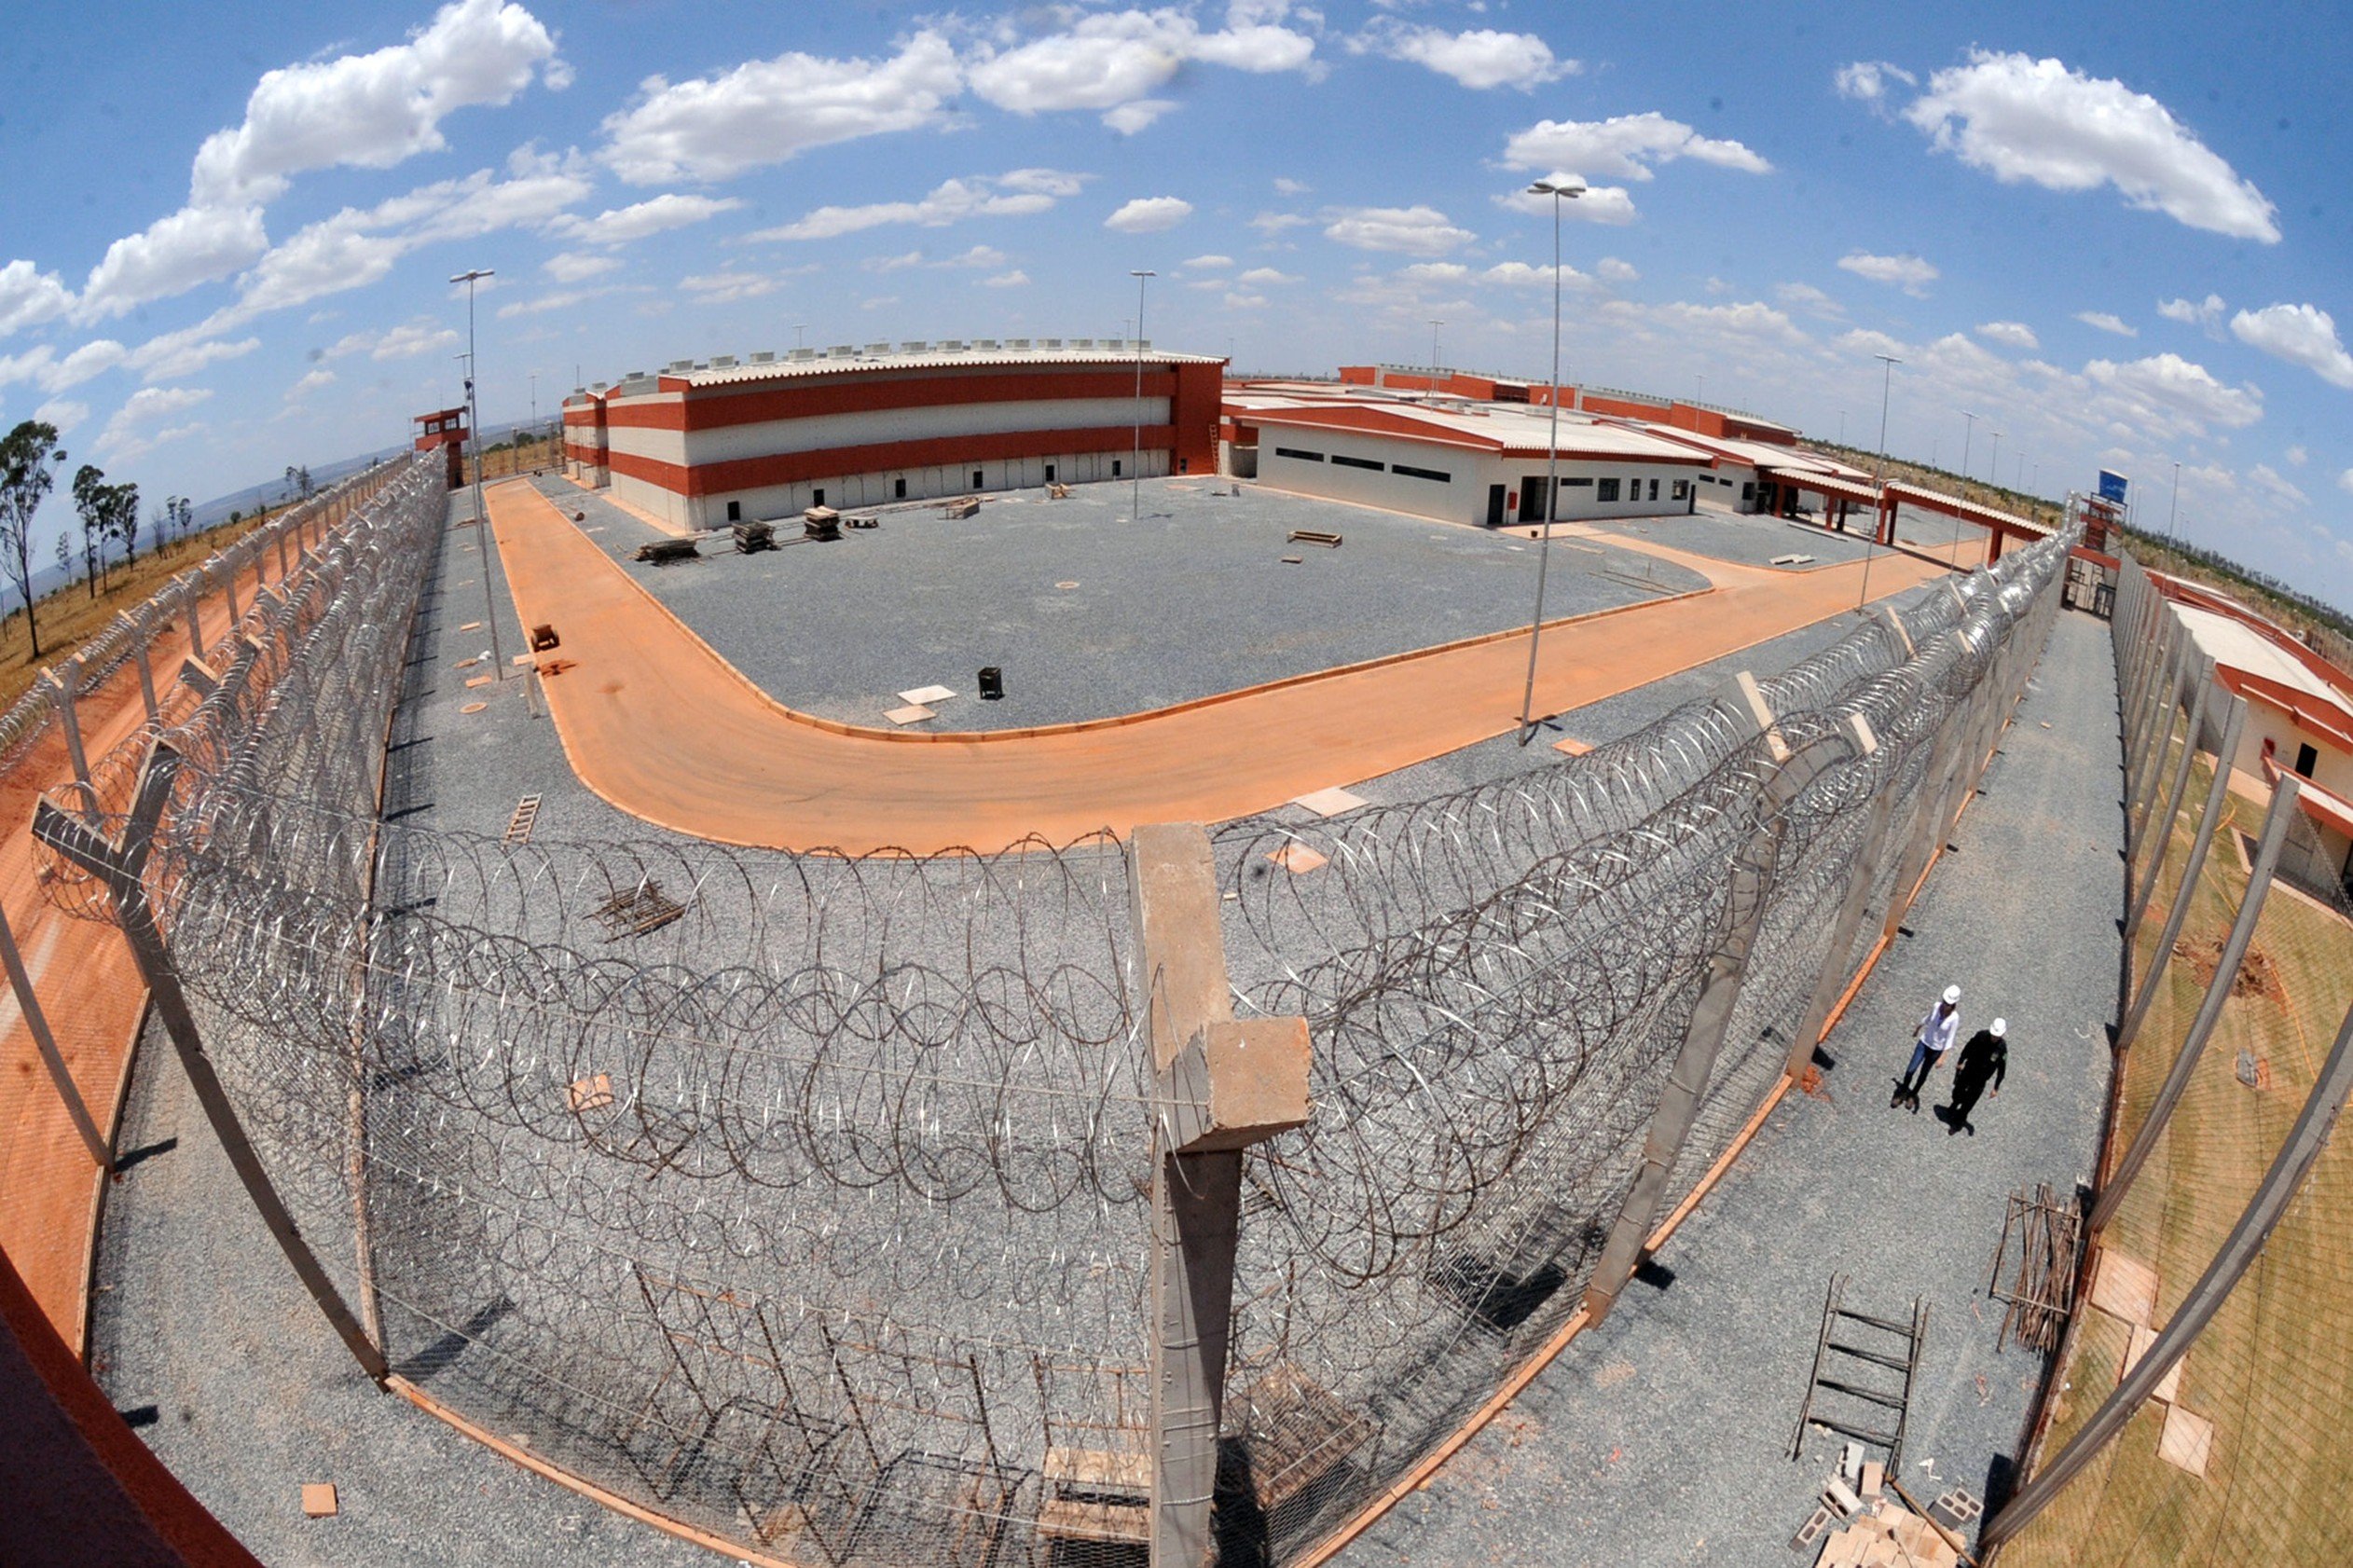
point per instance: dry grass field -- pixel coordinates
(71, 616)
(2274, 1373)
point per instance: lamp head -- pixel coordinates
(1559, 185)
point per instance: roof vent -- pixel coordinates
(679, 364)
(1017, 342)
(764, 356)
(915, 346)
(629, 376)
(878, 348)
(951, 345)
(844, 351)
(1049, 342)
(1083, 342)
(984, 342)
(722, 361)
(801, 354)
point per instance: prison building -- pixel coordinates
(2299, 720)
(1453, 458)
(703, 443)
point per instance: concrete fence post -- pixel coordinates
(1220, 1086)
(190, 602)
(140, 631)
(65, 690)
(120, 866)
(2156, 717)
(1945, 765)
(37, 1023)
(2218, 990)
(2290, 1169)
(2144, 883)
(1753, 869)
(1832, 978)
(2144, 988)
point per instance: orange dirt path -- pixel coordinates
(90, 992)
(658, 723)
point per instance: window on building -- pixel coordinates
(1572, 483)
(1115, 468)
(1359, 462)
(817, 498)
(977, 481)
(1049, 473)
(1438, 474)
(1608, 491)
(1682, 490)
(1298, 456)
(1748, 491)
(1654, 489)
(899, 489)
(734, 511)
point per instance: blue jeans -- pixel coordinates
(1924, 1060)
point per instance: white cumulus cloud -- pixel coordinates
(1906, 271)
(1479, 58)
(2302, 334)
(1866, 79)
(1115, 63)
(2108, 322)
(1625, 146)
(1019, 194)
(2025, 119)
(2010, 334)
(1408, 230)
(2205, 314)
(2170, 382)
(572, 266)
(29, 296)
(620, 226)
(767, 111)
(1149, 214)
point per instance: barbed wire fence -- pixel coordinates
(816, 1217)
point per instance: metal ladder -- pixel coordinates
(518, 827)
(1838, 1362)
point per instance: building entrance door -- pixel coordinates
(1533, 488)
(1494, 506)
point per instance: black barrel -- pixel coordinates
(992, 683)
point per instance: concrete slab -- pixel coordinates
(914, 713)
(1330, 802)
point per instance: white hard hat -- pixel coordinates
(1952, 996)
(2001, 1027)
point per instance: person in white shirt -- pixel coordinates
(1930, 1041)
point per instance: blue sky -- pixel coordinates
(2117, 236)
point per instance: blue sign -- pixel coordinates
(2112, 486)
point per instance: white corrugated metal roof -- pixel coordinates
(844, 365)
(2232, 642)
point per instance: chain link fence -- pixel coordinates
(805, 1200)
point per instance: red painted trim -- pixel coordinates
(720, 407)
(883, 456)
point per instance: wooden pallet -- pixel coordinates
(519, 826)
(1840, 1363)
(641, 909)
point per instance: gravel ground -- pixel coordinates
(201, 1320)
(1661, 1438)
(1747, 538)
(1194, 600)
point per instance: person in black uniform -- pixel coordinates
(1986, 1057)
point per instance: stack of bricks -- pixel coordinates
(1875, 1530)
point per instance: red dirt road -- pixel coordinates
(92, 996)
(658, 723)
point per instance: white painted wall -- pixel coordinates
(946, 421)
(852, 492)
(1462, 497)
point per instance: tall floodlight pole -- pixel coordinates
(1993, 469)
(1967, 431)
(481, 517)
(1559, 187)
(1434, 327)
(1135, 457)
(1701, 396)
(1887, 382)
(2173, 507)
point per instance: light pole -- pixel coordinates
(1887, 382)
(481, 517)
(1701, 396)
(1993, 469)
(2173, 507)
(1560, 187)
(1966, 432)
(1135, 457)
(1434, 327)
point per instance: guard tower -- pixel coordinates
(445, 429)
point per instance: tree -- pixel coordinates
(28, 460)
(93, 501)
(122, 520)
(65, 556)
(184, 514)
